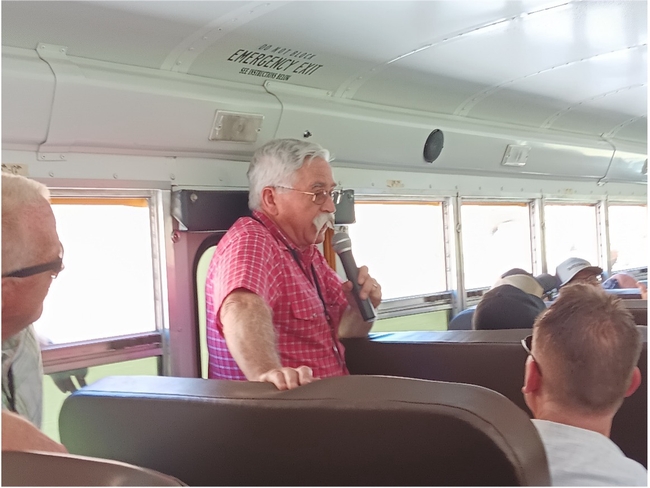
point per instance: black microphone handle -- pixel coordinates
(352, 272)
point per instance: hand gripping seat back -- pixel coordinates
(364, 430)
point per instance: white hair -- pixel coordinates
(276, 163)
(18, 195)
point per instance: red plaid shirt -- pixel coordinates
(257, 256)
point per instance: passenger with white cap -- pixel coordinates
(578, 270)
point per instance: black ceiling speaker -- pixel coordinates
(433, 146)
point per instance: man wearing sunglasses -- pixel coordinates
(582, 364)
(275, 310)
(32, 257)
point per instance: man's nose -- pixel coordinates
(328, 205)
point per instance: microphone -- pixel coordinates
(343, 247)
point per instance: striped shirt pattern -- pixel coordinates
(256, 255)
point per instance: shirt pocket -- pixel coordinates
(307, 311)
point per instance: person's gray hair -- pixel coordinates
(18, 193)
(276, 163)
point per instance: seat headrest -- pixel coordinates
(352, 430)
(54, 469)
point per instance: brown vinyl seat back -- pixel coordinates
(50, 469)
(347, 431)
(490, 358)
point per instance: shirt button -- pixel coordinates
(313, 316)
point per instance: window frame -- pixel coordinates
(417, 304)
(640, 272)
(63, 357)
(473, 295)
(602, 227)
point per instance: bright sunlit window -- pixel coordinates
(403, 246)
(496, 238)
(570, 232)
(628, 236)
(107, 286)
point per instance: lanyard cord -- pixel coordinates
(294, 253)
(11, 392)
(296, 257)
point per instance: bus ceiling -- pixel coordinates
(533, 89)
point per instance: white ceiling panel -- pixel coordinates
(589, 120)
(133, 33)
(633, 102)
(530, 62)
(517, 107)
(636, 131)
(417, 90)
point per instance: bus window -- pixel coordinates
(107, 286)
(571, 231)
(402, 243)
(496, 238)
(104, 312)
(628, 236)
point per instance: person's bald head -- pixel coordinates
(29, 238)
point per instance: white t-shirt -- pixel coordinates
(580, 457)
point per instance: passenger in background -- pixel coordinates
(32, 256)
(540, 286)
(582, 363)
(627, 281)
(514, 301)
(275, 309)
(577, 270)
(507, 307)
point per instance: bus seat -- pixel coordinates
(354, 430)
(638, 309)
(54, 469)
(462, 320)
(625, 293)
(490, 358)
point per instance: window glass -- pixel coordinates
(570, 232)
(403, 246)
(496, 238)
(107, 286)
(628, 236)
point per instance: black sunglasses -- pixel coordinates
(54, 267)
(527, 344)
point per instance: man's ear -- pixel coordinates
(634, 383)
(532, 377)
(269, 203)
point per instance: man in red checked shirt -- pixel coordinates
(275, 309)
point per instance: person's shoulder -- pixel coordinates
(247, 239)
(244, 229)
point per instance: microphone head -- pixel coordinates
(341, 242)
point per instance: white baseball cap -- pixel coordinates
(566, 270)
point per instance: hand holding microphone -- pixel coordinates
(342, 245)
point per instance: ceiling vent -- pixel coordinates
(516, 155)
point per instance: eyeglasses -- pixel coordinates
(54, 267)
(527, 344)
(319, 197)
